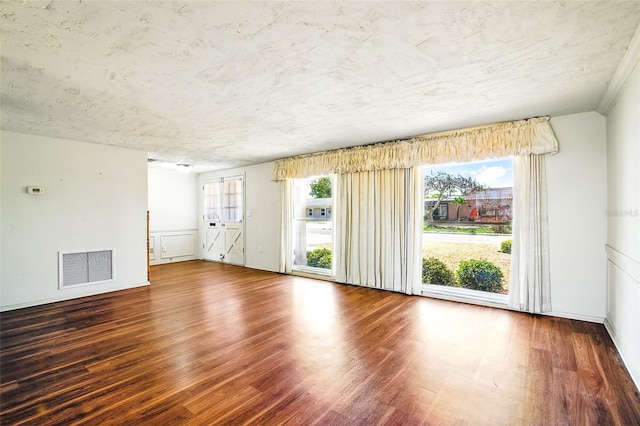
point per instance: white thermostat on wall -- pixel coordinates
(35, 190)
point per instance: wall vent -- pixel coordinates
(86, 267)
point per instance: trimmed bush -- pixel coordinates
(501, 229)
(480, 274)
(505, 246)
(319, 258)
(434, 271)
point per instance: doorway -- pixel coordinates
(224, 220)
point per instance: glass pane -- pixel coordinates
(312, 224)
(233, 199)
(467, 225)
(212, 201)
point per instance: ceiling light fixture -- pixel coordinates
(184, 167)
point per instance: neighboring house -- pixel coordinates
(490, 206)
(318, 208)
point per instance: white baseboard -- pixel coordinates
(573, 316)
(623, 292)
(612, 333)
(492, 300)
(64, 298)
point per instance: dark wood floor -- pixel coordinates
(216, 344)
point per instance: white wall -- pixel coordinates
(623, 151)
(173, 200)
(576, 182)
(95, 197)
(1, 232)
(623, 236)
(173, 216)
(577, 223)
(262, 228)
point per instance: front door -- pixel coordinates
(234, 244)
(213, 241)
(224, 220)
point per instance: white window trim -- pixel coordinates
(465, 295)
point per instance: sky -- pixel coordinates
(492, 173)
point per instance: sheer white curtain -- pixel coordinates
(378, 231)
(530, 288)
(378, 224)
(286, 222)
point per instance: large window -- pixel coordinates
(312, 236)
(467, 226)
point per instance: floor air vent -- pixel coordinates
(87, 267)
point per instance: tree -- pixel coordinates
(458, 201)
(321, 187)
(440, 185)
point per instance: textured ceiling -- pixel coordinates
(223, 84)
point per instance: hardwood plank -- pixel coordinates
(209, 343)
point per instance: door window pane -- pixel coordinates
(212, 202)
(232, 209)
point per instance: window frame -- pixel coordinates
(305, 270)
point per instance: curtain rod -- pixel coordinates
(427, 136)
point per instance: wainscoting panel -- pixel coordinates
(173, 246)
(152, 248)
(623, 308)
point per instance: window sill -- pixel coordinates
(465, 295)
(311, 272)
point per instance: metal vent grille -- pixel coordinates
(81, 268)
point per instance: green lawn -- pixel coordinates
(486, 229)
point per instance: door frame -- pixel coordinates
(212, 178)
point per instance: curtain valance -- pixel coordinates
(532, 136)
